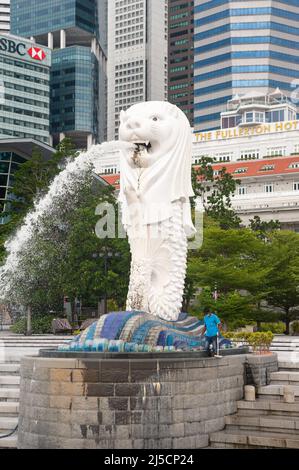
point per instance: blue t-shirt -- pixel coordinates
(211, 323)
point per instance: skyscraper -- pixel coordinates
(137, 51)
(239, 47)
(4, 16)
(76, 31)
(24, 89)
(181, 55)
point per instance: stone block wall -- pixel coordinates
(258, 369)
(143, 403)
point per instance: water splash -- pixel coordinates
(65, 189)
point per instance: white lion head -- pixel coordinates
(158, 172)
(153, 125)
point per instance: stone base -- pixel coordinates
(133, 403)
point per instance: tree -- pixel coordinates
(264, 228)
(233, 262)
(283, 277)
(216, 192)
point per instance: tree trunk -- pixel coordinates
(287, 320)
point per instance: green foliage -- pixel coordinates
(263, 228)
(276, 328)
(256, 278)
(260, 342)
(40, 325)
(216, 192)
(295, 327)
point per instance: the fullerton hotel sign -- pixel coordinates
(233, 133)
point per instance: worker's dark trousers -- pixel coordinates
(211, 340)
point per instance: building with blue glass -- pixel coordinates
(76, 32)
(239, 47)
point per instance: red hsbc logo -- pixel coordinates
(37, 53)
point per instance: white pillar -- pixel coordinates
(62, 39)
(94, 46)
(89, 141)
(249, 393)
(51, 141)
(288, 394)
(61, 136)
(50, 40)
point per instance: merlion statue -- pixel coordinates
(155, 187)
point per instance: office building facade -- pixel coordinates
(76, 31)
(24, 89)
(137, 51)
(181, 56)
(241, 46)
(4, 16)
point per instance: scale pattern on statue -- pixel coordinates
(140, 332)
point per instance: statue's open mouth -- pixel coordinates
(146, 145)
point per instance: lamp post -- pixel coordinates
(105, 254)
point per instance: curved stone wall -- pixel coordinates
(126, 403)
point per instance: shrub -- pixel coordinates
(259, 341)
(278, 328)
(39, 325)
(295, 327)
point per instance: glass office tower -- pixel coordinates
(75, 30)
(241, 47)
(181, 56)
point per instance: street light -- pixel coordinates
(106, 255)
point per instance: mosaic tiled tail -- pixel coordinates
(140, 332)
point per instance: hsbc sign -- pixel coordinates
(37, 53)
(22, 49)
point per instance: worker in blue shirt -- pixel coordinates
(211, 330)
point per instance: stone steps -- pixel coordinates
(7, 424)
(244, 439)
(266, 408)
(9, 442)
(288, 366)
(9, 409)
(9, 394)
(285, 378)
(9, 381)
(275, 392)
(270, 423)
(9, 369)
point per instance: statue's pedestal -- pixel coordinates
(132, 401)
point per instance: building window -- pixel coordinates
(296, 186)
(267, 168)
(249, 117)
(276, 152)
(294, 165)
(240, 170)
(242, 190)
(269, 188)
(252, 154)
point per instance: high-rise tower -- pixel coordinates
(76, 31)
(181, 55)
(137, 52)
(241, 47)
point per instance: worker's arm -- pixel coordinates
(204, 330)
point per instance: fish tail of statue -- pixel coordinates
(157, 279)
